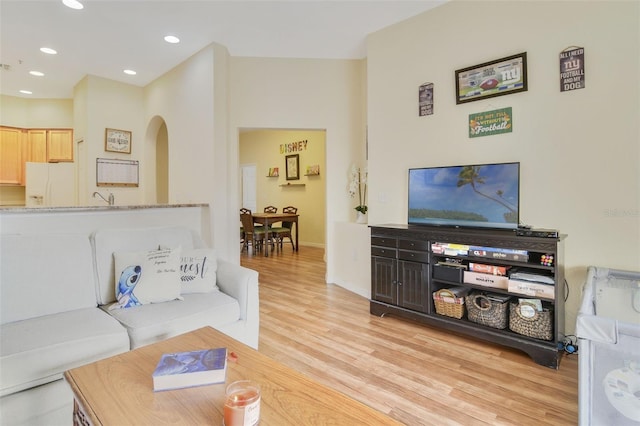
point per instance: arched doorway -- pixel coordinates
(157, 155)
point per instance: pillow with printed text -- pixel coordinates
(198, 269)
(146, 277)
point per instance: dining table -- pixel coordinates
(267, 219)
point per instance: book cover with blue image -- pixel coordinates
(193, 368)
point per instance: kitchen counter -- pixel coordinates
(78, 209)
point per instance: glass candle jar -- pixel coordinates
(242, 404)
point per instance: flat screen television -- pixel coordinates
(479, 195)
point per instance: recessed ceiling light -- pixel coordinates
(26, 92)
(172, 39)
(130, 72)
(73, 4)
(36, 73)
(48, 51)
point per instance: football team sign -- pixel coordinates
(490, 123)
(572, 69)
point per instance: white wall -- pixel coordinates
(579, 150)
(307, 94)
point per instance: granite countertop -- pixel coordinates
(22, 209)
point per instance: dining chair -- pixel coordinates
(243, 211)
(251, 234)
(274, 231)
(285, 230)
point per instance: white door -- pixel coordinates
(249, 186)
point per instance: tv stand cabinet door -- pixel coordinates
(412, 286)
(384, 284)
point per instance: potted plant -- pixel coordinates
(358, 185)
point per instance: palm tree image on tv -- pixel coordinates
(465, 195)
(470, 175)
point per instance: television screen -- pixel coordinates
(483, 195)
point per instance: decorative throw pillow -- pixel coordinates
(198, 269)
(146, 277)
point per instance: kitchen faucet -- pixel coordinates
(111, 201)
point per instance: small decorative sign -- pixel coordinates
(572, 69)
(313, 170)
(117, 141)
(425, 99)
(490, 122)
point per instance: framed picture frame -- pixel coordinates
(116, 140)
(292, 166)
(503, 76)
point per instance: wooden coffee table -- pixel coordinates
(119, 390)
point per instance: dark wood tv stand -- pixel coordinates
(403, 282)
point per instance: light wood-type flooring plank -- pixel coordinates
(416, 374)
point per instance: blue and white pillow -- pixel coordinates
(146, 277)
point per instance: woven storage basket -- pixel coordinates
(539, 325)
(482, 310)
(448, 304)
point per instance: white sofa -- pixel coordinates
(54, 293)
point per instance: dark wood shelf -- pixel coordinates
(402, 281)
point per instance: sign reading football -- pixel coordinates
(490, 122)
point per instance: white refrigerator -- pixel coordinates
(50, 185)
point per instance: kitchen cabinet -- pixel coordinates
(36, 146)
(19, 146)
(59, 145)
(11, 156)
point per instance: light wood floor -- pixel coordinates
(414, 373)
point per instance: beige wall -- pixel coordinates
(265, 149)
(579, 150)
(36, 113)
(192, 99)
(106, 104)
(308, 94)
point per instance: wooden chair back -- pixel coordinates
(290, 210)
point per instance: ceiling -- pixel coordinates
(108, 36)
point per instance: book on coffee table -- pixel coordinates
(193, 368)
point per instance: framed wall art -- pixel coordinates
(292, 163)
(495, 78)
(117, 141)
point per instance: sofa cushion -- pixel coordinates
(28, 263)
(146, 277)
(39, 350)
(151, 323)
(109, 241)
(198, 268)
